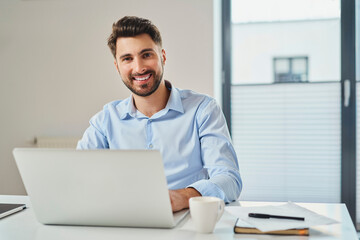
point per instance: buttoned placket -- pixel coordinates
(149, 134)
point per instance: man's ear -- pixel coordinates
(163, 56)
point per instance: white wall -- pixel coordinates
(256, 44)
(56, 70)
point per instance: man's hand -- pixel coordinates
(180, 198)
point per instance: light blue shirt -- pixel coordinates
(190, 132)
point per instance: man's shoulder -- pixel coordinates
(194, 97)
(202, 104)
(118, 107)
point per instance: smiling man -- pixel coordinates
(188, 128)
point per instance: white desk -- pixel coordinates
(24, 226)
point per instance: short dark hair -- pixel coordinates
(130, 26)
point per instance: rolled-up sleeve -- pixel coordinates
(218, 155)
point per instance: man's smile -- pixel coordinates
(142, 77)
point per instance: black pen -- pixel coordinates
(261, 215)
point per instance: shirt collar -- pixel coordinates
(174, 103)
(127, 108)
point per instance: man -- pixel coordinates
(188, 128)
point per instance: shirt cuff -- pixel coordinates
(208, 188)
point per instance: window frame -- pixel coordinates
(290, 72)
(348, 113)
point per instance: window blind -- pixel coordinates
(287, 138)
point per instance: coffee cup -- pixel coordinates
(206, 212)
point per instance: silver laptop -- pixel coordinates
(124, 188)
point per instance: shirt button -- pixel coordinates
(151, 146)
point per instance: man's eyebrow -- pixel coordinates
(147, 50)
(141, 52)
(125, 55)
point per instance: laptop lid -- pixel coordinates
(96, 187)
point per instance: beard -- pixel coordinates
(147, 88)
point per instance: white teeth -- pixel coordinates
(143, 78)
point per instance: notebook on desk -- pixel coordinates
(7, 209)
(124, 188)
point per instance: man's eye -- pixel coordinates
(126, 59)
(146, 55)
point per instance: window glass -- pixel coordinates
(282, 65)
(287, 136)
(299, 66)
(264, 29)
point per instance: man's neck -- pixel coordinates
(152, 104)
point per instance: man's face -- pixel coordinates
(140, 63)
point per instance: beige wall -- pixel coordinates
(56, 70)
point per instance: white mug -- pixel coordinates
(206, 212)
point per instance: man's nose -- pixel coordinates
(139, 66)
